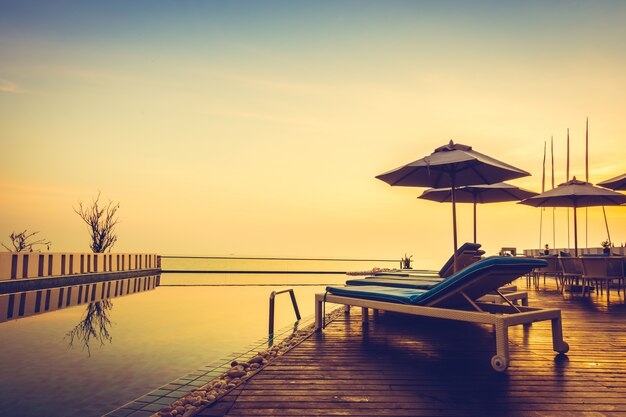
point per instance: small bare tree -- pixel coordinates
(24, 241)
(101, 219)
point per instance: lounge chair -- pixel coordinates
(501, 295)
(468, 254)
(456, 298)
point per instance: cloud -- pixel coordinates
(7, 86)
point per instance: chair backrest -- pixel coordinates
(465, 256)
(572, 266)
(596, 267)
(617, 266)
(553, 265)
(603, 267)
(479, 279)
(478, 255)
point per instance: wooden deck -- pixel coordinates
(410, 366)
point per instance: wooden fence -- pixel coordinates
(19, 265)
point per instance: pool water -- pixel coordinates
(154, 336)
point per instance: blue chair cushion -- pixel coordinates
(378, 293)
(422, 284)
(475, 281)
(481, 278)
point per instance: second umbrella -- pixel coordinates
(478, 194)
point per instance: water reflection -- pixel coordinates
(158, 336)
(94, 324)
(97, 294)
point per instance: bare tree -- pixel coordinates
(101, 219)
(94, 324)
(24, 241)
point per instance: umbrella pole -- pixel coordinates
(587, 227)
(453, 193)
(540, 226)
(568, 241)
(575, 234)
(553, 229)
(474, 220)
(606, 223)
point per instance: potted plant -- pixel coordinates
(405, 263)
(606, 246)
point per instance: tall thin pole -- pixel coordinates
(453, 193)
(552, 155)
(587, 180)
(567, 166)
(606, 223)
(543, 175)
(587, 150)
(575, 234)
(567, 179)
(543, 189)
(474, 218)
(553, 208)
(540, 224)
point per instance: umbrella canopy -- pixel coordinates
(478, 194)
(576, 194)
(452, 165)
(617, 183)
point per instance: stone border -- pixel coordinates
(239, 372)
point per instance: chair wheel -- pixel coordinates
(499, 363)
(564, 347)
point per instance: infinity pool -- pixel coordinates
(151, 337)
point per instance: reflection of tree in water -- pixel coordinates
(94, 325)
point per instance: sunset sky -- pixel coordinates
(257, 127)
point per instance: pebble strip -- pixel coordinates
(202, 397)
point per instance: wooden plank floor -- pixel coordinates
(411, 366)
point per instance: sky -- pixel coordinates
(256, 128)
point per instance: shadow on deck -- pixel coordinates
(411, 366)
